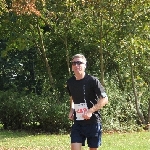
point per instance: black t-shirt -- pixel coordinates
(87, 90)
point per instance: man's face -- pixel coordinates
(78, 65)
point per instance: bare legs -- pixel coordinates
(77, 146)
(93, 148)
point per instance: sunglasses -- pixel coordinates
(76, 63)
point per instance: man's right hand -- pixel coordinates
(71, 114)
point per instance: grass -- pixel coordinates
(111, 141)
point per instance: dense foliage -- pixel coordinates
(38, 38)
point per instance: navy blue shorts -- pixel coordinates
(91, 132)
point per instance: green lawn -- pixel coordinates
(114, 141)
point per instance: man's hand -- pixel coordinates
(87, 114)
(71, 114)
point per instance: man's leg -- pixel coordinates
(94, 139)
(76, 146)
(93, 149)
(77, 139)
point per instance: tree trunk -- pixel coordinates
(137, 103)
(67, 55)
(149, 116)
(42, 50)
(101, 51)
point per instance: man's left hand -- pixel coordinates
(87, 115)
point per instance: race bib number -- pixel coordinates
(80, 109)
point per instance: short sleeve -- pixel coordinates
(99, 89)
(68, 90)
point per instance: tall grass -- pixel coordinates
(111, 141)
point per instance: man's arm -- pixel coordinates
(71, 116)
(100, 104)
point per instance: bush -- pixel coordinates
(47, 113)
(18, 111)
(120, 114)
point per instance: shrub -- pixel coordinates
(18, 111)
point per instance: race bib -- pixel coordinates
(80, 109)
